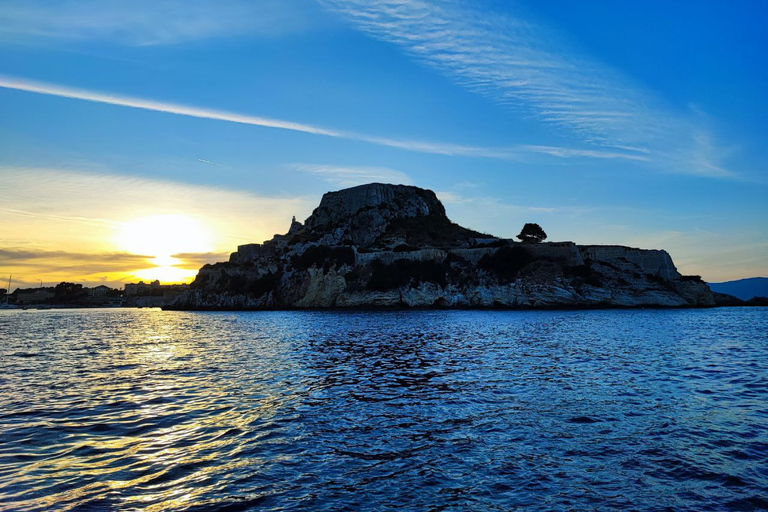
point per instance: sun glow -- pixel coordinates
(162, 238)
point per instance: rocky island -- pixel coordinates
(393, 246)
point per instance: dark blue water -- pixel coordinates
(463, 410)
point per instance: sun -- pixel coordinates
(166, 275)
(162, 239)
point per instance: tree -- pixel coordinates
(532, 233)
(68, 292)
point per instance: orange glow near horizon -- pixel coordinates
(111, 229)
(166, 275)
(161, 237)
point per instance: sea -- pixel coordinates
(143, 409)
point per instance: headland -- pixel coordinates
(392, 246)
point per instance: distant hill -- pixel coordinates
(744, 289)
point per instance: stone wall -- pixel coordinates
(649, 261)
(252, 252)
(565, 252)
(388, 257)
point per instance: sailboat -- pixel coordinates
(7, 305)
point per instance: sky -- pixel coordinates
(141, 139)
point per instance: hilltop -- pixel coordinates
(382, 245)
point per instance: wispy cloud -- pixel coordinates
(455, 198)
(514, 153)
(79, 261)
(31, 266)
(532, 70)
(149, 22)
(487, 214)
(344, 176)
(195, 260)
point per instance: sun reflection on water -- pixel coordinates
(150, 410)
(146, 413)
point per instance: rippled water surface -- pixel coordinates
(417, 410)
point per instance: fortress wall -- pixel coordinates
(650, 261)
(567, 252)
(388, 257)
(474, 254)
(251, 252)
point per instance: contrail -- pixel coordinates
(436, 148)
(169, 108)
(209, 162)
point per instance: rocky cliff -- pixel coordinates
(393, 246)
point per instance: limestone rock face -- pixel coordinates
(383, 245)
(360, 215)
(398, 200)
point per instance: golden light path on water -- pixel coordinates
(143, 409)
(148, 424)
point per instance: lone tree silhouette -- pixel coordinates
(532, 233)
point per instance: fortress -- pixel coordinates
(393, 246)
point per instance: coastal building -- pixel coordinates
(143, 289)
(152, 294)
(99, 291)
(34, 297)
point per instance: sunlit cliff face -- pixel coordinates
(160, 238)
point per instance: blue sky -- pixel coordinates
(633, 123)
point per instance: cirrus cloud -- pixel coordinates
(531, 70)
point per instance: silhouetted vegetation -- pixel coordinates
(497, 243)
(236, 284)
(429, 231)
(505, 263)
(532, 233)
(241, 285)
(594, 280)
(325, 257)
(65, 293)
(201, 279)
(455, 259)
(662, 282)
(578, 271)
(585, 274)
(405, 272)
(263, 285)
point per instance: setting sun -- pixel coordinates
(166, 274)
(162, 237)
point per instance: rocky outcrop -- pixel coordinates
(393, 246)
